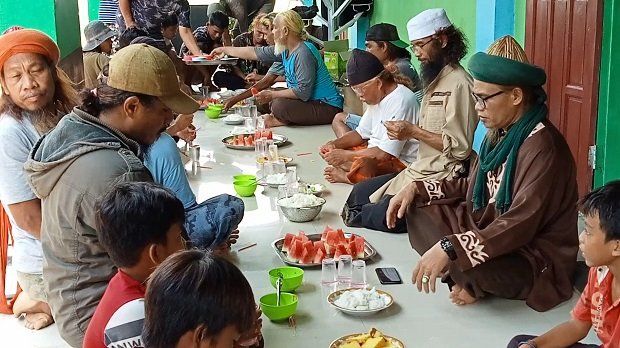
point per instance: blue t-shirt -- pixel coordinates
(305, 73)
(164, 162)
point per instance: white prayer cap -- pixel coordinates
(427, 23)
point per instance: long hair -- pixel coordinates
(107, 98)
(292, 20)
(64, 100)
(396, 77)
(456, 47)
(394, 52)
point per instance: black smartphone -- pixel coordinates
(388, 275)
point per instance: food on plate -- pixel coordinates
(299, 200)
(242, 140)
(298, 249)
(263, 159)
(233, 118)
(276, 179)
(362, 300)
(205, 102)
(265, 133)
(373, 339)
(311, 188)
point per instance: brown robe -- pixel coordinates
(530, 251)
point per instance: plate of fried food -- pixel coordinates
(374, 338)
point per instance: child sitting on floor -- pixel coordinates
(599, 305)
(196, 299)
(139, 224)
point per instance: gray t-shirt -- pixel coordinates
(17, 138)
(305, 68)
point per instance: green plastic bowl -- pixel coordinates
(213, 113)
(288, 306)
(292, 277)
(244, 177)
(245, 188)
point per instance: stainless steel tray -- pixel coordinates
(369, 251)
(278, 140)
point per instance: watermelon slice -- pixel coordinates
(302, 236)
(320, 255)
(320, 245)
(341, 237)
(340, 250)
(352, 249)
(308, 256)
(296, 251)
(288, 239)
(360, 245)
(325, 232)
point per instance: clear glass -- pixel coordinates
(328, 271)
(253, 111)
(291, 175)
(260, 149)
(358, 274)
(344, 269)
(249, 125)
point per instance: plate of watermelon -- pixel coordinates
(245, 141)
(303, 250)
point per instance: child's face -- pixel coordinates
(226, 339)
(596, 251)
(174, 242)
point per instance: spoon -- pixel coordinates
(278, 287)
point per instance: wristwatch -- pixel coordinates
(447, 246)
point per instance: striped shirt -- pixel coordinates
(107, 11)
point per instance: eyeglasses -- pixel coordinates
(416, 47)
(483, 99)
(360, 89)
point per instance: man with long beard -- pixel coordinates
(97, 145)
(445, 131)
(36, 93)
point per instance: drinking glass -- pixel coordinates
(344, 269)
(328, 271)
(358, 274)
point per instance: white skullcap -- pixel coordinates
(427, 23)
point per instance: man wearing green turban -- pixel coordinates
(510, 228)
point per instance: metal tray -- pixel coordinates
(278, 140)
(369, 251)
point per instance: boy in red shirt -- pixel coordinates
(139, 224)
(599, 305)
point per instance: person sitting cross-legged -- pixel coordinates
(139, 225)
(367, 151)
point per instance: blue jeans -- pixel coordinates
(353, 121)
(210, 223)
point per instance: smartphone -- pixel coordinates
(388, 275)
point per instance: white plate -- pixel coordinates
(336, 294)
(235, 120)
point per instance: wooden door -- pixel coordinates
(564, 37)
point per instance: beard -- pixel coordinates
(279, 48)
(430, 70)
(44, 120)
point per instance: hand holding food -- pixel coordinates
(400, 130)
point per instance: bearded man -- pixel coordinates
(35, 95)
(445, 130)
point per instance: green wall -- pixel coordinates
(93, 9)
(520, 10)
(608, 128)
(462, 13)
(67, 26)
(31, 14)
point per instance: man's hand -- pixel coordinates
(188, 134)
(184, 120)
(218, 52)
(401, 130)
(253, 77)
(264, 96)
(399, 204)
(430, 266)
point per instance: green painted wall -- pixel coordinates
(31, 14)
(67, 26)
(462, 13)
(608, 128)
(520, 10)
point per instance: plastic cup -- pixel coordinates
(328, 271)
(344, 269)
(358, 274)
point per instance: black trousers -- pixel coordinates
(359, 212)
(515, 342)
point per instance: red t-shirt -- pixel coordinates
(119, 317)
(596, 306)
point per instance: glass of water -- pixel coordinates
(344, 269)
(358, 274)
(328, 271)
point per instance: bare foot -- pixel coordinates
(272, 122)
(336, 175)
(37, 321)
(23, 304)
(461, 297)
(234, 236)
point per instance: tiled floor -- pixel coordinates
(417, 319)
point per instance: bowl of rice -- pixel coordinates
(301, 207)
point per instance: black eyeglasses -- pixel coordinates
(419, 47)
(483, 100)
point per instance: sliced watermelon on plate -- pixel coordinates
(308, 254)
(360, 245)
(288, 239)
(320, 255)
(296, 251)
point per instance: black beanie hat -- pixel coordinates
(362, 66)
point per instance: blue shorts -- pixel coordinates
(352, 121)
(210, 223)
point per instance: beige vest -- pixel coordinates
(447, 109)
